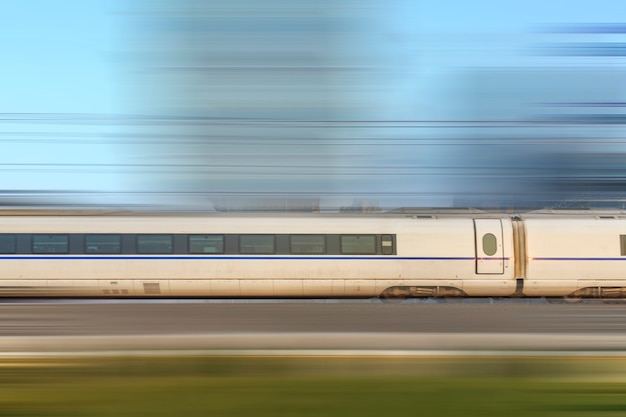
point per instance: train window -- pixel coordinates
(358, 244)
(103, 244)
(386, 245)
(622, 241)
(8, 243)
(307, 244)
(490, 244)
(152, 244)
(206, 243)
(256, 244)
(51, 243)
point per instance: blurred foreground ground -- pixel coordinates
(261, 386)
(39, 328)
(290, 358)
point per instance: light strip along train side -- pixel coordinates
(395, 255)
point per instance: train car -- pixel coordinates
(393, 255)
(575, 254)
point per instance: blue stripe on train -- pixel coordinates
(233, 257)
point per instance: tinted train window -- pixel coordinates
(206, 243)
(386, 244)
(490, 244)
(50, 243)
(7, 243)
(308, 244)
(103, 244)
(622, 241)
(358, 244)
(151, 244)
(256, 244)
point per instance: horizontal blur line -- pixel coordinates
(587, 104)
(26, 194)
(120, 117)
(594, 28)
(227, 177)
(590, 49)
(345, 169)
(208, 165)
(88, 139)
(265, 67)
(274, 122)
(322, 353)
(47, 193)
(235, 172)
(595, 173)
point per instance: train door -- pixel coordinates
(489, 250)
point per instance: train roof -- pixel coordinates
(404, 212)
(575, 213)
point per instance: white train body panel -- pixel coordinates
(581, 255)
(568, 254)
(435, 252)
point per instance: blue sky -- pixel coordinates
(66, 56)
(58, 56)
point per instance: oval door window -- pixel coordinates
(490, 244)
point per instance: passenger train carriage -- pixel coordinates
(396, 255)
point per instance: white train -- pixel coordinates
(571, 255)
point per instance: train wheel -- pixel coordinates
(572, 300)
(394, 295)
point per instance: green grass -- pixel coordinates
(315, 387)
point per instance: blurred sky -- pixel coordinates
(60, 56)
(76, 57)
